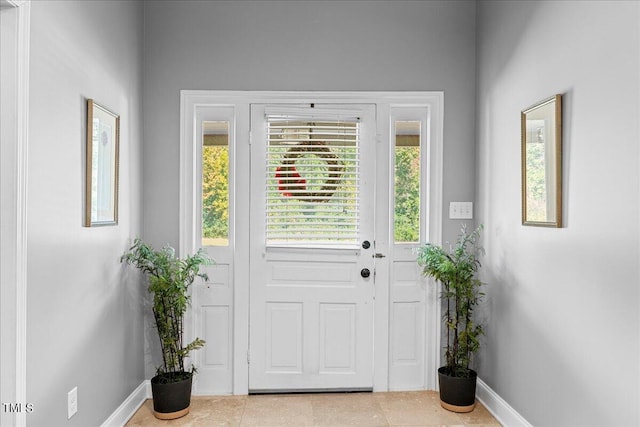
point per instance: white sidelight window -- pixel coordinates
(215, 183)
(410, 313)
(407, 181)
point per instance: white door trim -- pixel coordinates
(14, 308)
(191, 99)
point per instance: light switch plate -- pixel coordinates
(460, 210)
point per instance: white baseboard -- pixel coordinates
(147, 388)
(125, 411)
(505, 414)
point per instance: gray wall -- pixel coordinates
(310, 45)
(562, 306)
(562, 309)
(84, 320)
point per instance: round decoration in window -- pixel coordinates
(304, 156)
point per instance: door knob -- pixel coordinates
(365, 272)
(366, 244)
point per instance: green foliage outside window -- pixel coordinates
(215, 194)
(407, 195)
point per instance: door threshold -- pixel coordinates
(313, 390)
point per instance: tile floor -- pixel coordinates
(408, 408)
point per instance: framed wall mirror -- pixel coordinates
(542, 163)
(103, 140)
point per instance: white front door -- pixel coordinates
(312, 247)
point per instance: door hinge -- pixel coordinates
(248, 357)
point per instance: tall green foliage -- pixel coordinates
(169, 281)
(456, 270)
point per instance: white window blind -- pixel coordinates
(313, 176)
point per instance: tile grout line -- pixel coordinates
(384, 413)
(244, 408)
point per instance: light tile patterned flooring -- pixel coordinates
(407, 408)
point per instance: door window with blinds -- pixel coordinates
(313, 177)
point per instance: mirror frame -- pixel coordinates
(106, 167)
(552, 161)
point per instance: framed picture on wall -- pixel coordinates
(542, 163)
(102, 161)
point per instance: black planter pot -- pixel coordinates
(171, 400)
(457, 394)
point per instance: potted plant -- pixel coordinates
(455, 270)
(169, 281)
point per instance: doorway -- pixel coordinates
(314, 288)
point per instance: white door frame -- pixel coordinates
(192, 100)
(16, 19)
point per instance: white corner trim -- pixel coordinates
(128, 408)
(148, 392)
(18, 204)
(499, 408)
(24, 22)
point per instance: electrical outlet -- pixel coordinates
(72, 402)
